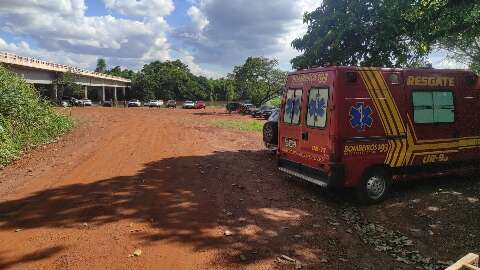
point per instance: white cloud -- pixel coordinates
(227, 32)
(23, 48)
(198, 18)
(141, 8)
(62, 26)
(440, 59)
(218, 35)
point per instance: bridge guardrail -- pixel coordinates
(11, 58)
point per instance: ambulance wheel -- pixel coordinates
(374, 186)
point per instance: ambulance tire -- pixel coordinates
(374, 186)
(270, 133)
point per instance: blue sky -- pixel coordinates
(211, 36)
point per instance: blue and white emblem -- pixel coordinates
(317, 108)
(292, 106)
(361, 116)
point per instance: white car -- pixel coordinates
(134, 103)
(84, 102)
(188, 104)
(155, 103)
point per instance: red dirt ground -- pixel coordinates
(168, 183)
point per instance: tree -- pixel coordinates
(68, 86)
(119, 72)
(258, 79)
(468, 52)
(170, 80)
(396, 33)
(101, 65)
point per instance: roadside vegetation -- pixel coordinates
(26, 120)
(258, 80)
(255, 126)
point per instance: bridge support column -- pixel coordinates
(85, 92)
(54, 91)
(102, 94)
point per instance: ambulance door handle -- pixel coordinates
(305, 136)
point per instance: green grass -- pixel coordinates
(255, 126)
(26, 120)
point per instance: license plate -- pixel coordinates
(290, 143)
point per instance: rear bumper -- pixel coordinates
(334, 178)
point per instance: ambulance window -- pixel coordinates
(444, 110)
(317, 108)
(293, 106)
(433, 107)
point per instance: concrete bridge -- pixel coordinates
(38, 72)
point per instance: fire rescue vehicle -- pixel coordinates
(362, 127)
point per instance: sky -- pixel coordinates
(210, 36)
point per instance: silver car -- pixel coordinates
(188, 104)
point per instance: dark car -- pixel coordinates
(266, 114)
(233, 106)
(260, 112)
(270, 131)
(107, 103)
(171, 104)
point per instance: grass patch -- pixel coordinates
(26, 120)
(256, 126)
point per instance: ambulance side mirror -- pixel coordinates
(351, 76)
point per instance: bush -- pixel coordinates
(26, 119)
(276, 101)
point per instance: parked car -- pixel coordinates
(267, 113)
(246, 108)
(233, 107)
(188, 104)
(250, 109)
(107, 103)
(84, 102)
(270, 131)
(171, 104)
(259, 112)
(75, 102)
(155, 103)
(66, 102)
(134, 103)
(200, 104)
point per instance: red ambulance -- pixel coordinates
(362, 127)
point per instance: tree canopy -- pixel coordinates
(68, 86)
(258, 79)
(396, 33)
(101, 65)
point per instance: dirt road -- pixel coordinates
(169, 184)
